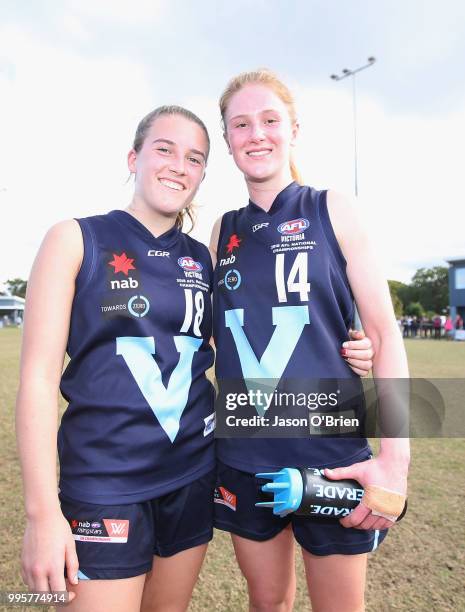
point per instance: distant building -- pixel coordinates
(11, 310)
(457, 286)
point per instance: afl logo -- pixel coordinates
(188, 264)
(296, 226)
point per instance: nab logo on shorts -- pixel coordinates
(113, 531)
(189, 265)
(225, 497)
(296, 226)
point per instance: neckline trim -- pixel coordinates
(281, 198)
(165, 240)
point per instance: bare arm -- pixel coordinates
(377, 315)
(48, 309)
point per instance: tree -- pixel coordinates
(432, 288)
(396, 301)
(17, 286)
(415, 309)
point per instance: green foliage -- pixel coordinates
(17, 286)
(396, 301)
(432, 286)
(429, 288)
(415, 309)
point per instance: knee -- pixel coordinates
(269, 601)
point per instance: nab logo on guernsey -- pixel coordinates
(233, 243)
(225, 497)
(296, 226)
(121, 264)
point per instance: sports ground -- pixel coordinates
(420, 566)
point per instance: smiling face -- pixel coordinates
(170, 164)
(259, 133)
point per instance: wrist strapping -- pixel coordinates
(384, 502)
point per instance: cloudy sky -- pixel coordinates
(76, 76)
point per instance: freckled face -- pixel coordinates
(170, 165)
(259, 132)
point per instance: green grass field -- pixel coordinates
(420, 566)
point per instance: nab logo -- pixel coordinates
(122, 263)
(296, 226)
(153, 253)
(225, 261)
(234, 243)
(189, 265)
(129, 283)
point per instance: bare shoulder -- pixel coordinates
(65, 231)
(62, 247)
(345, 217)
(339, 204)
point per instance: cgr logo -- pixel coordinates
(296, 226)
(189, 265)
(154, 253)
(258, 226)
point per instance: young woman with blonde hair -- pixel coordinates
(298, 257)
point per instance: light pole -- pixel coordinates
(345, 73)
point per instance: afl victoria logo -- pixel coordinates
(188, 264)
(295, 226)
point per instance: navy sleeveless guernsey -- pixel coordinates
(282, 308)
(140, 417)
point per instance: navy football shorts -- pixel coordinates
(120, 541)
(236, 494)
